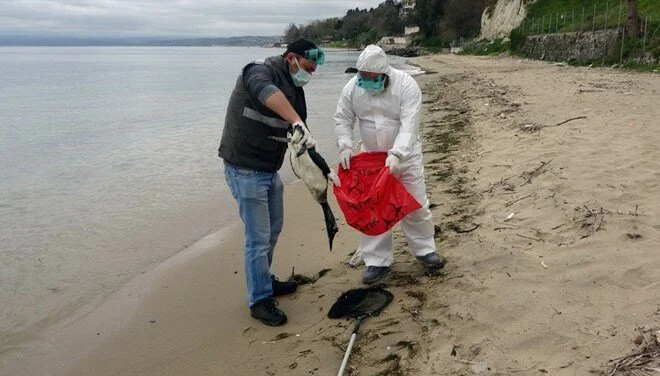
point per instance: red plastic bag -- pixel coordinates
(372, 200)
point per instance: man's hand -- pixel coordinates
(345, 158)
(332, 176)
(393, 162)
(306, 139)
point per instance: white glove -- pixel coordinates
(332, 176)
(307, 136)
(393, 162)
(345, 158)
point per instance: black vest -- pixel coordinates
(249, 124)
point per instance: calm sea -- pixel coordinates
(108, 165)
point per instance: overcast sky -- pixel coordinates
(164, 18)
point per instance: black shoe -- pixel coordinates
(432, 261)
(283, 288)
(374, 274)
(267, 312)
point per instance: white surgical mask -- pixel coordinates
(302, 77)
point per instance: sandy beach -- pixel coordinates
(543, 181)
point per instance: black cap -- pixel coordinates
(299, 47)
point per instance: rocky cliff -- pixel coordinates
(502, 16)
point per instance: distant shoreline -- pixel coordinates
(327, 49)
(242, 41)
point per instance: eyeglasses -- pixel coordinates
(316, 55)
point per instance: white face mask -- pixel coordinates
(300, 78)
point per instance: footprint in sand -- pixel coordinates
(644, 277)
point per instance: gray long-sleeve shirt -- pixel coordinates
(258, 81)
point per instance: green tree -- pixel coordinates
(633, 23)
(461, 18)
(429, 13)
(387, 18)
(292, 33)
(357, 27)
(355, 22)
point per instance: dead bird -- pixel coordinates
(309, 166)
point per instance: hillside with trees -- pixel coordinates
(440, 22)
(357, 28)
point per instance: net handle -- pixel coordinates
(344, 362)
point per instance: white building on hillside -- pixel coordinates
(407, 6)
(406, 9)
(411, 30)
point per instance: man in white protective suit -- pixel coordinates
(385, 104)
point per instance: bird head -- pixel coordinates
(295, 134)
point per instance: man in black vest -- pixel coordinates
(267, 99)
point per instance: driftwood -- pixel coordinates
(641, 361)
(464, 231)
(520, 199)
(529, 175)
(535, 128)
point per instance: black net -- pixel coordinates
(361, 302)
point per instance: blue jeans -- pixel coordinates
(260, 198)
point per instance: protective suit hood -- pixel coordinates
(373, 59)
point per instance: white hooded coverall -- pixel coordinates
(389, 122)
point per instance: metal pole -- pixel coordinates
(582, 22)
(551, 23)
(593, 32)
(646, 27)
(573, 21)
(607, 8)
(542, 19)
(593, 27)
(557, 24)
(558, 21)
(618, 18)
(649, 20)
(344, 361)
(536, 26)
(623, 39)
